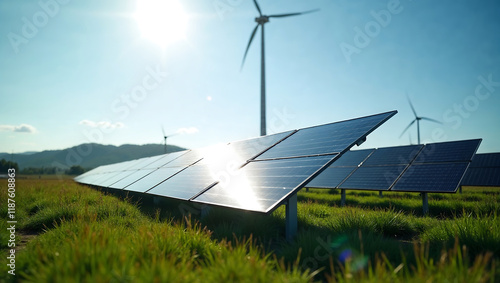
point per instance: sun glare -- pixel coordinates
(161, 21)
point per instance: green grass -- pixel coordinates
(83, 235)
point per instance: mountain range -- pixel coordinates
(89, 155)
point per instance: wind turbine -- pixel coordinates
(417, 119)
(165, 138)
(261, 20)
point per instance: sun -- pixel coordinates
(161, 21)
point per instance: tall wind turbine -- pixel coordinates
(261, 20)
(417, 119)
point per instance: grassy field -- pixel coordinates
(71, 233)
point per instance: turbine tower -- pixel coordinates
(261, 20)
(417, 119)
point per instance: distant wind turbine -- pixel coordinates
(417, 119)
(261, 20)
(165, 137)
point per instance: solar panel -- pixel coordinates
(456, 151)
(256, 174)
(393, 155)
(384, 169)
(131, 178)
(482, 177)
(486, 160)
(326, 139)
(261, 185)
(352, 158)
(378, 178)
(161, 174)
(435, 178)
(332, 176)
(484, 171)
(219, 163)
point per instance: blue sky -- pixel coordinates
(74, 72)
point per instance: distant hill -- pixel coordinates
(88, 155)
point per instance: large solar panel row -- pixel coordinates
(435, 167)
(257, 174)
(484, 171)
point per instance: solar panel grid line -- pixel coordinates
(304, 182)
(462, 151)
(336, 174)
(407, 167)
(355, 168)
(264, 151)
(486, 160)
(444, 178)
(269, 187)
(339, 136)
(172, 155)
(160, 162)
(124, 183)
(173, 175)
(292, 157)
(217, 163)
(388, 174)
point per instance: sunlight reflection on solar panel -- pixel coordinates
(262, 184)
(219, 163)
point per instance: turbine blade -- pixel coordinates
(293, 14)
(258, 8)
(163, 130)
(411, 105)
(432, 120)
(406, 129)
(248, 46)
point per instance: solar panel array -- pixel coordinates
(436, 167)
(484, 171)
(257, 174)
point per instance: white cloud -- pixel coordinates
(188, 131)
(23, 128)
(102, 124)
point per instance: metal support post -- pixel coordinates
(291, 217)
(342, 197)
(425, 203)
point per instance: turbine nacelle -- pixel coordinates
(262, 20)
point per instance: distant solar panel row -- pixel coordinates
(257, 174)
(436, 167)
(484, 171)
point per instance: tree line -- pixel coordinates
(73, 170)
